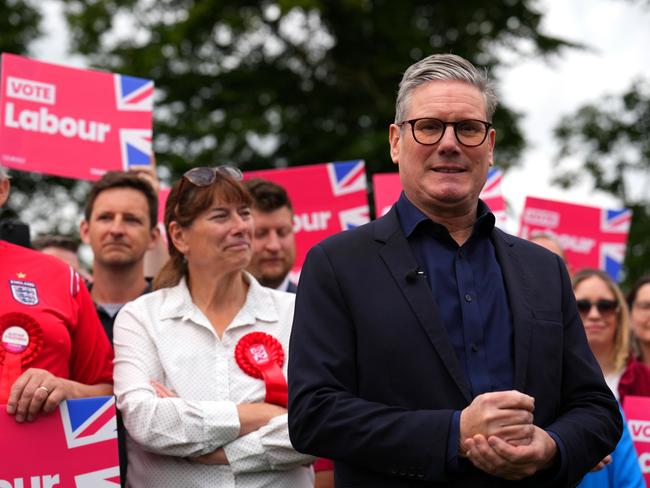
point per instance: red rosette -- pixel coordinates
(21, 340)
(261, 356)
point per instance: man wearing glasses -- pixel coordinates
(429, 348)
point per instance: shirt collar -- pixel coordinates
(410, 216)
(259, 304)
(284, 286)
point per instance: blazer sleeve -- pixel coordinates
(328, 415)
(588, 422)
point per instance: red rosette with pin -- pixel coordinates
(261, 356)
(21, 339)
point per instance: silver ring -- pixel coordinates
(43, 388)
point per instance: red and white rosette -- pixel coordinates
(261, 356)
(21, 339)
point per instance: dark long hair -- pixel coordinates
(185, 203)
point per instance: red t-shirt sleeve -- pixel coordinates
(322, 464)
(91, 358)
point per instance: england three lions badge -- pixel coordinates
(24, 292)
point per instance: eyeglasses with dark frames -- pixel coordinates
(428, 131)
(605, 308)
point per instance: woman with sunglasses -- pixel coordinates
(201, 362)
(639, 301)
(606, 320)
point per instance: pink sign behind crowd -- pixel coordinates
(327, 198)
(591, 237)
(637, 412)
(72, 122)
(387, 187)
(73, 447)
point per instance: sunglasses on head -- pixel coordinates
(604, 307)
(205, 176)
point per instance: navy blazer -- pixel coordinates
(374, 380)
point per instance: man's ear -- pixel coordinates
(492, 137)
(394, 135)
(84, 232)
(5, 186)
(155, 236)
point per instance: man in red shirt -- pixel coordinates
(52, 346)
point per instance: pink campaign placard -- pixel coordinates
(387, 187)
(327, 198)
(591, 237)
(637, 412)
(72, 122)
(73, 447)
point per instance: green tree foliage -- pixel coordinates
(19, 25)
(611, 138)
(272, 83)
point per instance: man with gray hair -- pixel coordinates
(429, 348)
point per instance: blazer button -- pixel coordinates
(468, 298)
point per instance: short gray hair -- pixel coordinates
(445, 67)
(3, 173)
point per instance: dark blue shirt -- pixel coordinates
(467, 284)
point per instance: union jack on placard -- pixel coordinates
(135, 147)
(492, 186)
(354, 217)
(612, 255)
(133, 94)
(347, 177)
(615, 220)
(105, 478)
(88, 421)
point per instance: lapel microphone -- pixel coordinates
(413, 274)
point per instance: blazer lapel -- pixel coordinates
(514, 275)
(399, 259)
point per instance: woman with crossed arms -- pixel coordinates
(199, 371)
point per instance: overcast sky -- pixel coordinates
(618, 33)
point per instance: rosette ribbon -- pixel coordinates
(21, 341)
(261, 356)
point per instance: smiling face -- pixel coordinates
(444, 178)
(218, 239)
(600, 326)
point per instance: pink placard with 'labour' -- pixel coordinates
(327, 198)
(591, 237)
(72, 122)
(73, 447)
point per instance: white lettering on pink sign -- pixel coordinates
(45, 122)
(46, 481)
(542, 218)
(34, 91)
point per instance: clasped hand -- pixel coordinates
(498, 436)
